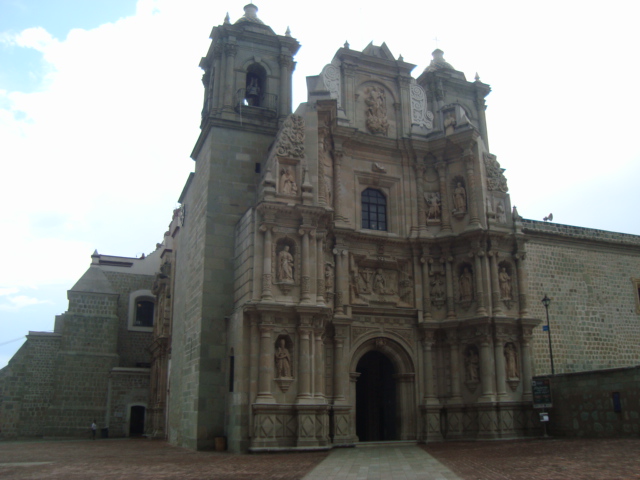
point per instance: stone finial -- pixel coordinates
(346, 45)
(400, 58)
(477, 77)
(227, 19)
(288, 32)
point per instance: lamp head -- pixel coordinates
(546, 301)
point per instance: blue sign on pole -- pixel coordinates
(545, 328)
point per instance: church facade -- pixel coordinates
(354, 270)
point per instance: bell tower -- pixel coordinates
(248, 72)
(247, 94)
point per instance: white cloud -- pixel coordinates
(7, 291)
(19, 301)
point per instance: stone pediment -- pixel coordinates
(380, 52)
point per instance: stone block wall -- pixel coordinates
(132, 346)
(129, 387)
(27, 386)
(587, 275)
(244, 258)
(584, 406)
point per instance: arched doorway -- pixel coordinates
(136, 421)
(375, 398)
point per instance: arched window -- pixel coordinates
(144, 314)
(374, 210)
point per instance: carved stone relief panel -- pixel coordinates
(325, 170)
(437, 283)
(496, 180)
(419, 114)
(331, 76)
(376, 109)
(287, 184)
(465, 285)
(374, 282)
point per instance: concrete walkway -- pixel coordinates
(387, 462)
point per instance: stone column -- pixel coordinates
(320, 286)
(430, 397)
(426, 297)
(230, 51)
(342, 282)
(495, 284)
(501, 377)
(486, 370)
(254, 357)
(522, 282)
(220, 76)
(304, 359)
(454, 355)
(305, 290)
(422, 214)
(441, 167)
(338, 207)
(480, 310)
(285, 91)
(526, 368)
(474, 220)
(217, 77)
(266, 263)
(318, 358)
(338, 380)
(451, 313)
(265, 369)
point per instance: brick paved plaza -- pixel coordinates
(550, 459)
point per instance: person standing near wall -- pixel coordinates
(94, 427)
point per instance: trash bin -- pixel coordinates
(104, 433)
(221, 444)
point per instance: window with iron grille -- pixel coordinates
(374, 210)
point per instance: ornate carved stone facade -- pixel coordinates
(352, 271)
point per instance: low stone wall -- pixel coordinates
(584, 404)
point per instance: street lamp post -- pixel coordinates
(546, 301)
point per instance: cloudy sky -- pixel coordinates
(100, 102)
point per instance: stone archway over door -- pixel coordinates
(375, 398)
(383, 364)
(136, 421)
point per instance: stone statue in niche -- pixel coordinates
(328, 277)
(465, 283)
(449, 123)
(437, 291)
(283, 360)
(285, 265)
(459, 199)
(472, 364)
(433, 207)
(288, 184)
(511, 361)
(500, 213)
(505, 284)
(376, 111)
(405, 287)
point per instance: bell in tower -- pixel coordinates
(247, 73)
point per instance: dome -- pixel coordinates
(438, 62)
(250, 15)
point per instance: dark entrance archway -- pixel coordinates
(136, 421)
(375, 398)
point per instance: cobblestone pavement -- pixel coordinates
(546, 459)
(406, 462)
(141, 459)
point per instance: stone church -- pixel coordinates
(352, 271)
